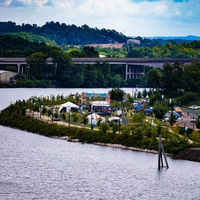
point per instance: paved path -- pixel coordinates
(186, 120)
(48, 119)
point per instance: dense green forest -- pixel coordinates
(63, 34)
(38, 43)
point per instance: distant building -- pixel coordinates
(133, 41)
(7, 76)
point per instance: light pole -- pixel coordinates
(52, 114)
(119, 125)
(68, 109)
(41, 108)
(193, 121)
(69, 118)
(92, 111)
(185, 131)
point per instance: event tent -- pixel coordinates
(94, 117)
(66, 107)
(138, 107)
(178, 110)
(115, 119)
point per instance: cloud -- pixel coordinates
(42, 2)
(180, 1)
(25, 3)
(4, 3)
(129, 16)
(48, 3)
(18, 4)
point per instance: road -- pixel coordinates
(186, 120)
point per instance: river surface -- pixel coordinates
(34, 167)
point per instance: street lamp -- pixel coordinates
(193, 121)
(68, 109)
(52, 114)
(91, 120)
(185, 130)
(119, 125)
(41, 108)
(69, 118)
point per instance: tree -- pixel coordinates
(172, 118)
(154, 78)
(75, 117)
(191, 77)
(90, 52)
(159, 110)
(117, 94)
(177, 76)
(167, 78)
(37, 65)
(63, 67)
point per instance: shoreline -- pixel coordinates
(191, 154)
(110, 145)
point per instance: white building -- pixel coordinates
(6, 76)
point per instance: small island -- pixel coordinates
(138, 128)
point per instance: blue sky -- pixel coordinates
(130, 17)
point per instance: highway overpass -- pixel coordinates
(134, 67)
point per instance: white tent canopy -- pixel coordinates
(100, 103)
(115, 119)
(68, 105)
(94, 118)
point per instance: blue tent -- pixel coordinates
(148, 110)
(137, 107)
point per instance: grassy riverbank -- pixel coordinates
(137, 135)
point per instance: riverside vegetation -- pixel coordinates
(137, 133)
(62, 43)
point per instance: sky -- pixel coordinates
(130, 17)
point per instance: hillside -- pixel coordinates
(62, 34)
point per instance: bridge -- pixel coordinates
(135, 67)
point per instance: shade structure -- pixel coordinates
(138, 107)
(115, 119)
(67, 106)
(148, 110)
(94, 118)
(178, 110)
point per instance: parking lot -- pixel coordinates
(187, 120)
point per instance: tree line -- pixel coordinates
(63, 72)
(63, 34)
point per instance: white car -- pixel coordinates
(193, 119)
(194, 107)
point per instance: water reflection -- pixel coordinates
(36, 167)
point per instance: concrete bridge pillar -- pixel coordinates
(22, 69)
(134, 71)
(18, 68)
(126, 72)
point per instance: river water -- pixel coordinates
(37, 167)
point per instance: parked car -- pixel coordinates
(166, 118)
(194, 107)
(56, 118)
(193, 119)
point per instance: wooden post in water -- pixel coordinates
(160, 153)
